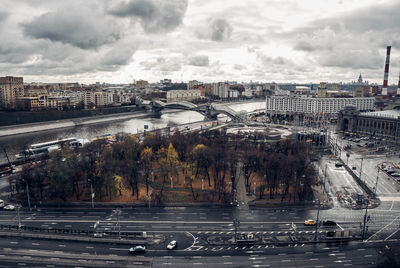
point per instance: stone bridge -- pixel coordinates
(209, 110)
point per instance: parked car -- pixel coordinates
(137, 250)
(9, 207)
(396, 174)
(172, 245)
(353, 168)
(329, 223)
(310, 223)
(2, 204)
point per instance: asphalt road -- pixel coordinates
(39, 253)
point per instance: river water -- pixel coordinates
(18, 143)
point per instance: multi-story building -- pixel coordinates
(96, 98)
(220, 89)
(183, 95)
(142, 84)
(287, 105)
(384, 124)
(11, 89)
(191, 84)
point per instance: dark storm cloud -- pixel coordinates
(199, 61)
(220, 30)
(3, 15)
(74, 27)
(350, 40)
(154, 15)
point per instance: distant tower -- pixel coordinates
(360, 80)
(398, 87)
(386, 75)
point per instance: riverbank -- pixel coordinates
(67, 123)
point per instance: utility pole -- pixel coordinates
(316, 225)
(236, 224)
(376, 184)
(19, 219)
(92, 194)
(365, 221)
(361, 166)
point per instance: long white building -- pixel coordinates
(286, 105)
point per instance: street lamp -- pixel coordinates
(202, 184)
(118, 212)
(316, 225)
(172, 184)
(255, 188)
(236, 224)
(91, 192)
(27, 193)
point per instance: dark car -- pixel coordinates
(137, 250)
(329, 223)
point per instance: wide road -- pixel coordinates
(39, 253)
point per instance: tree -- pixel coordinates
(146, 156)
(61, 170)
(201, 159)
(119, 185)
(173, 161)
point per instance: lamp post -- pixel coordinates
(172, 183)
(91, 192)
(236, 224)
(202, 184)
(27, 193)
(376, 184)
(316, 224)
(366, 218)
(19, 219)
(255, 188)
(118, 212)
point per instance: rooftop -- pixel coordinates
(385, 114)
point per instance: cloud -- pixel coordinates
(74, 27)
(163, 64)
(3, 16)
(217, 30)
(200, 61)
(154, 15)
(221, 30)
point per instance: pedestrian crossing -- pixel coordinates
(233, 247)
(261, 233)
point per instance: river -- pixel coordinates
(18, 143)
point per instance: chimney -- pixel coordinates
(398, 86)
(386, 75)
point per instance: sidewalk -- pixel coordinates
(241, 193)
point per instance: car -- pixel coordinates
(338, 164)
(396, 174)
(310, 223)
(329, 223)
(99, 234)
(137, 250)
(9, 207)
(1, 203)
(172, 245)
(353, 168)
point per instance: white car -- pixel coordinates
(172, 245)
(1, 203)
(9, 207)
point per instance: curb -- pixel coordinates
(77, 239)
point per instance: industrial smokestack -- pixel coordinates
(386, 75)
(398, 87)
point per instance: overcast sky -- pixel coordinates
(121, 41)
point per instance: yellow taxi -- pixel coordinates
(310, 222)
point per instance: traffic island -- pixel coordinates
(149, 240)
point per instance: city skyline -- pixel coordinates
(122, 41)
